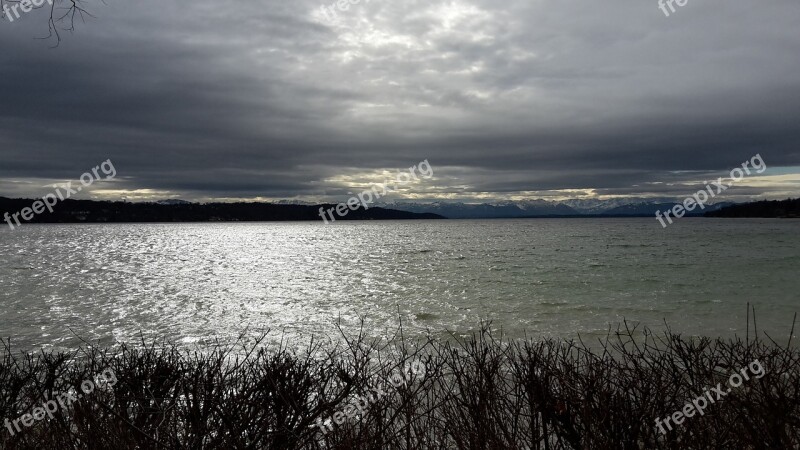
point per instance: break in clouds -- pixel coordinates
(507, 100)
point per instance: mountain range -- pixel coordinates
(614, 207)
(542, 208)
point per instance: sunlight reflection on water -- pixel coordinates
(193, 283)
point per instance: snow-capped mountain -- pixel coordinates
(597, 206)
(459, 210)
(538, 208)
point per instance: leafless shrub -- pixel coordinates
(479, 392)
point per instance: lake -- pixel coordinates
(196, 283)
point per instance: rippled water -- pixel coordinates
(192, 283)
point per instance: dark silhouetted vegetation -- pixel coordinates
(88, 211)
(479, 392)
(764, 209)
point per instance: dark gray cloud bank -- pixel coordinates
(507, 100)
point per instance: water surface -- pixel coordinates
(193, 283)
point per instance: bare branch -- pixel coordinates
(62, 17)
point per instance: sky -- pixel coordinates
(512, 100)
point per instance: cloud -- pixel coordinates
(230, 100)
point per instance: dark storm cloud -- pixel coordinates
(242, 100)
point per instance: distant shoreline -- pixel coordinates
(90, 211)
(765, 209)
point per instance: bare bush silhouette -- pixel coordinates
(479, 392)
